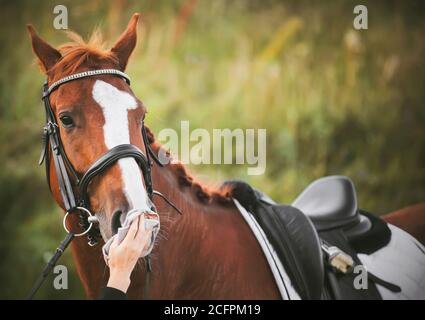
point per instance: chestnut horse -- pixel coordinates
(207, 253)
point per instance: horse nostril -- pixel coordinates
(116, 221)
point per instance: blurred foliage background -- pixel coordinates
(333, 100)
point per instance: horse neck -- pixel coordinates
(183, 240)
(207, 253)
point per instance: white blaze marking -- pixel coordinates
(115, 105)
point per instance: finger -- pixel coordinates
(145, 240)
(147, 236)
(132, 231)
(142, 223)
(142, 232)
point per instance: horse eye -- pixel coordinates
(67, 121)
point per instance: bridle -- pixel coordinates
(79, 201)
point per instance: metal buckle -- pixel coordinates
(90, 219)
(50, 127)
(91, 241)
(338, 259)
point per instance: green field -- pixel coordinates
(334, 100)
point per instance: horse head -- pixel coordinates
(94, 115)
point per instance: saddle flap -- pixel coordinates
(291, 234)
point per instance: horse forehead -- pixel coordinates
(111, 99)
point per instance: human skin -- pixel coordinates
(124, 256)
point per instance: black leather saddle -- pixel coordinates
(331, 203)
(325, 212)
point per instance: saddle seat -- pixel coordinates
(331, 202)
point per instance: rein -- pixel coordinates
(79, 202)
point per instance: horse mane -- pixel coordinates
(92, 54)
(205, 194)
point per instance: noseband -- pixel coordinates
(79, 202)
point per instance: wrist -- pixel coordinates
(119, 280)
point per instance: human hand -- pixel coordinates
(124, 256)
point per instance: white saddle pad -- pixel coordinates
(401, 262)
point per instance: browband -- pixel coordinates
(85, 74)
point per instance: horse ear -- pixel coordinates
(126, 42)
(46, 54)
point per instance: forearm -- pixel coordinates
(119, 280)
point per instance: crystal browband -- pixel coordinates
(85, 74)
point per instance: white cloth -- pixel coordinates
(150, 224)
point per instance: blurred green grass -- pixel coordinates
(333, 101)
